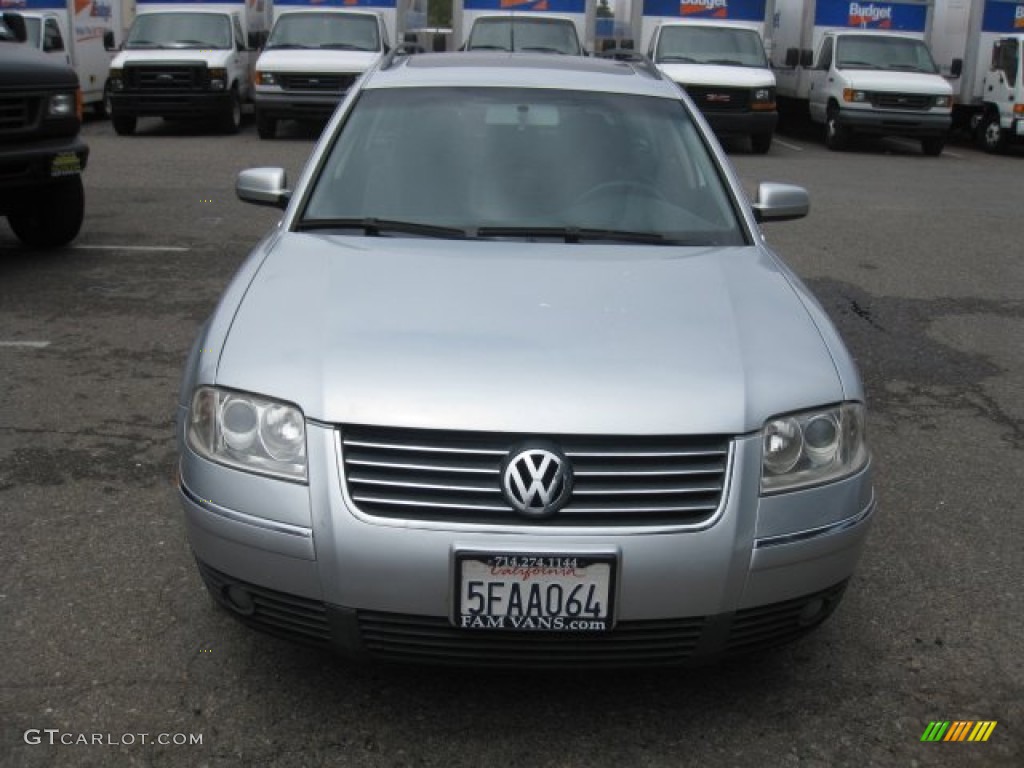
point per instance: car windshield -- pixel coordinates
(710, 45)
(325, 30)
(878, 52)
(529, 163)
(179, 30)
(541, 35)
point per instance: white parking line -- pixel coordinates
(147, 248)
(30, 344)
(787, 145)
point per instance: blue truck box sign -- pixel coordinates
(726, 10)
(897, 17)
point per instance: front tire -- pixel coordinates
(266, 127)
(52, 216)
(760, 143)
(231, 120)
(123, 126)
(837, 137)
(991, 135)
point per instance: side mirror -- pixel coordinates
(264, 186)
(806, 58)
(16, 23)
(956, 68)
(792, 57)
(108, 40)
(780, 202)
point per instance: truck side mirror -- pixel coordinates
(806, 57)
(792, 57)
(108, 40)
(16, 23)
(956, 68)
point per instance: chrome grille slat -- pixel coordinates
(455, 477)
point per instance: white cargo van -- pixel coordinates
(545, 26)
(714, 49)
(861, 67)
(980, 44)
(72, 32)
(314, 54)
(189, 60)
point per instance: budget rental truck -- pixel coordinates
(861, 67)
(980, 44)
(187, 60)
(541, 26)
(316, 51)
(72, 32)
(715, 50)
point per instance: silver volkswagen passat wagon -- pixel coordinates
(516, 381)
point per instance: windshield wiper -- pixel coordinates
(476, 47)
(727, 62)
(579, 235)
(909, 68)
(377, 227)
(288, 46)
(683, 59)
(345, 47)
(541, 49)
(856, 65)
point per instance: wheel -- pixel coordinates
(933, 146)
(836, 136)
(51, 217)
(266, 127)
(123, 125)
(231, 120)
(761, 143)
(991, 135)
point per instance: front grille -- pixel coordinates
(17, 112)
(714, 99)
(456, 477)
(766, 626)
(317, 82)
(167, 77)
(401, 638)
(277, 613)
(884, 100)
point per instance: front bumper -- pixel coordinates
(742, 123)
(892, 123)
(300, 562)
(185, 104)
(35, 164)
(297, 105)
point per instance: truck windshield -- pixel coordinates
(516, 34)
(180, 30)
(325, 30)
(535, 163)
(882, 52)
(32, 26)
(711, 45)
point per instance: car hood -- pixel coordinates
(895, 81)
(719, 75)
(325, 60)
(523, 337)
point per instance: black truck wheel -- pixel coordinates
(123, 126)
(52, 216)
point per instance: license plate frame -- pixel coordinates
(536, 591)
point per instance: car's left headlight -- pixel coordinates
(61, 105)
(812, 447)
(762, 99)
(248, 432)
(218, 78)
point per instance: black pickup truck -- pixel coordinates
(41, 154)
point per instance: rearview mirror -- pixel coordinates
(780, 202)
(263, 186)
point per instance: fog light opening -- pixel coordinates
(239, 600)
(813, 612)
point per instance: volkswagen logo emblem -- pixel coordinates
(537, 480)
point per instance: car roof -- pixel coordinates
(524, 70)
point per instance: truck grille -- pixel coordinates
(167, 77)
(900, 101)
(317, 82)
(456, 477)
(710, 98)
(17, 112)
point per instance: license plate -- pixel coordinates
(534, 592)
(65, 164)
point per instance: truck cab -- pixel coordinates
(537, 33)
(1002, 122)
(48, 32)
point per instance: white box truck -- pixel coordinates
(861, 67)
(715, 50)
(187, 61)
(981, 45)
(544, 26)
(72, 32)
(315, 52)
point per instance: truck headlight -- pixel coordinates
(943, 101)
(248, 432)
(61, 105)
(266, 78)
(812, 447)
(853, 95)
(762, 99)
(116, 80)
(218, 79)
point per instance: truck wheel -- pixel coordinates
(51, 217)
(266, 127)
(123, 126)
(836, 136)
(933, 146)
(991, 135)
(761, 143)
(231, 120)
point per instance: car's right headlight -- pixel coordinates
(248, 432)
(812, 447)
(266, 78)
(116, 79)
(61, 105)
